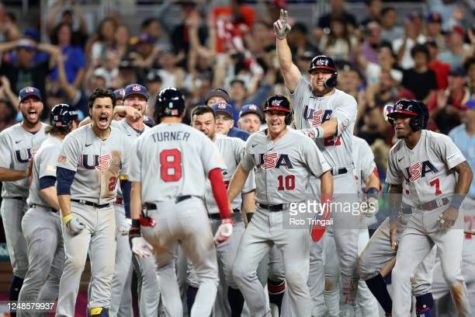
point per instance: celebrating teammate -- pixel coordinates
(327, 115)
(41, 224)
(17, 147)
(169, 168)
(433, 177)
(284, 160)
(91, 161)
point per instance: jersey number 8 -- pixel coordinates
(170, 165)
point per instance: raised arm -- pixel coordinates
(289, 70)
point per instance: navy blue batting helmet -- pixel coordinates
(279, 103)
(62, 115)
(326, 63)
(412, 108)
(169, 103)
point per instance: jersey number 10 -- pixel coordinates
(286, 182)
(170, 165)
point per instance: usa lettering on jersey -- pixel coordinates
(418, 170)
(317, 117)
(274, 160)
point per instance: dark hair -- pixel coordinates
(238, 81)
(300, 27)
(420, 48)
(385, 10)
(201, 110)
(54, 33)
(148, 21)
(469, 62)
(101, 93)
(101, 25)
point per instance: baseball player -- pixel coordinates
(135, 96)
(231, 149)
(91, 160)
(327, 115)
(284, 160)
(41, 224)
(423, 167)
(225, 122)
(169, 166)
(250, 118)
(18, 144)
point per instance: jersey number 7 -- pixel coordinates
(170, 165)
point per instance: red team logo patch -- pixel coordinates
(317, 118)
(104, 162)
(270, 161)
(415, 171)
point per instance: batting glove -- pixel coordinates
(73, 225)
(225, 230)
(281, 26)
(125, 227)
(141, 247)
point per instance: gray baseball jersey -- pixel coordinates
(282, 167)
(133, 134)
(231, 149)
(44, 164)
(424, 171)
(311, 111)
(363, 158)
(17, 146)
(97, 163)
(179, 155)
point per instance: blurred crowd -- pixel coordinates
(197, 46)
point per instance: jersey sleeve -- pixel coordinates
(127, 147)
(393, 175)
(5, 157)
(448, 151)
(247, 160)
(345, 113)
(209, 155)
(69, 155)
(313, 157)
(135, 162)
(298, 94)
(47, 161)
(367, 161)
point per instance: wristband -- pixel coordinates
(319, 132)
(67, 218)
(457, 200)
(372, 192)
(134, 231)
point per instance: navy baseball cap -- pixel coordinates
(218, 92)
(251, 108)
(434, 17)
(135, 89)
(145, 38)
(458, 72)
(119, 93)
(224, 108)
(28, 92)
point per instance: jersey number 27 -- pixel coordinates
(170, 165)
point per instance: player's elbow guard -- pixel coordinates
(64, 180)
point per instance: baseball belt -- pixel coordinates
(273, 208)
(47, 208)
(90, 203)
(217, 216)
(427, 206)
(178, 199)
(16, 198)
